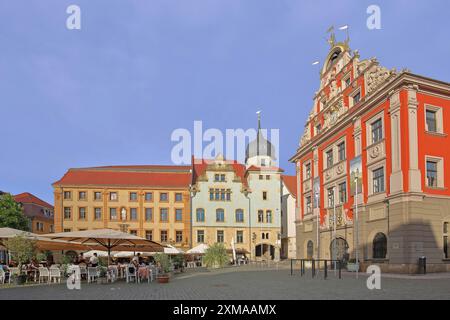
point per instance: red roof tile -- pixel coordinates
(291, 184)
(267, 169)
(200, 166)
(27, 197)
(145, 176)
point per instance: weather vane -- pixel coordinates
(332, 39)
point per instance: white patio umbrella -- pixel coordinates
(100, 254)
(200, 249)
(109, 239)
(172, 250)
(129, 254)
(42, 243)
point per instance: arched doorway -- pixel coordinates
(339, 249)
(265, 251)
(379, 246)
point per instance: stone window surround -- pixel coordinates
(304, 170)
(196, 215)
(351, 96)
(101, 195)
(203, 234)
(129, 196)
(95, 213)
(306, 195)
(85, 195)
(440, 171)
(243, 215)
(370, 169)
(224, 215)
(64, 213)
(368, 124)
(334, 146)
(335, 184)
(345, 77)
(439, 118)
(85, 213)
(152, 214)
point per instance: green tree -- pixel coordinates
(21, 249)
(11, 215)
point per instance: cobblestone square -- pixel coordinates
(247, 283)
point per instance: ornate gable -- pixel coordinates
(342, 74)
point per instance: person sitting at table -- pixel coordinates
(93, 261)
(81, 258)
(136, 261)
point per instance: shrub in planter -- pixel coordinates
(216, 256)
(163, 262)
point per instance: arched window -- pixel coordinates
(379, 246)
(269, 216)
(239, 215)
(220, 215)
(260, 216)
(200, 215)
(310, 250)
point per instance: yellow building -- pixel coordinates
(149, 201)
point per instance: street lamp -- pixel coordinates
(334, 229)
(318, 223)
(356, 223)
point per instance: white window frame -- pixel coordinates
(304, 170)
(368, 124)
(370, 180)
(352, 95)
(306, 205)
(440, 171)
(439, 118)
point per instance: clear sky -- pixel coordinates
(113, 92)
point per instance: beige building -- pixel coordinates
(149, 201)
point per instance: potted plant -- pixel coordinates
(178, 262)
(102, 272)
(66, 261)
(163, 262)
(215, 256)
(22, 250)
(352, 265)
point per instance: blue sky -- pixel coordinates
(113, 92)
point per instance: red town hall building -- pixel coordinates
(374, 164)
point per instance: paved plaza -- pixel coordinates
(246, 283)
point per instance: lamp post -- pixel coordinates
(334, 228)
(356, 223)
(318, 223)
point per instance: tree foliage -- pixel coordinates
(11, 215)
(163, 261)
(21, 249)
(216, 256)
